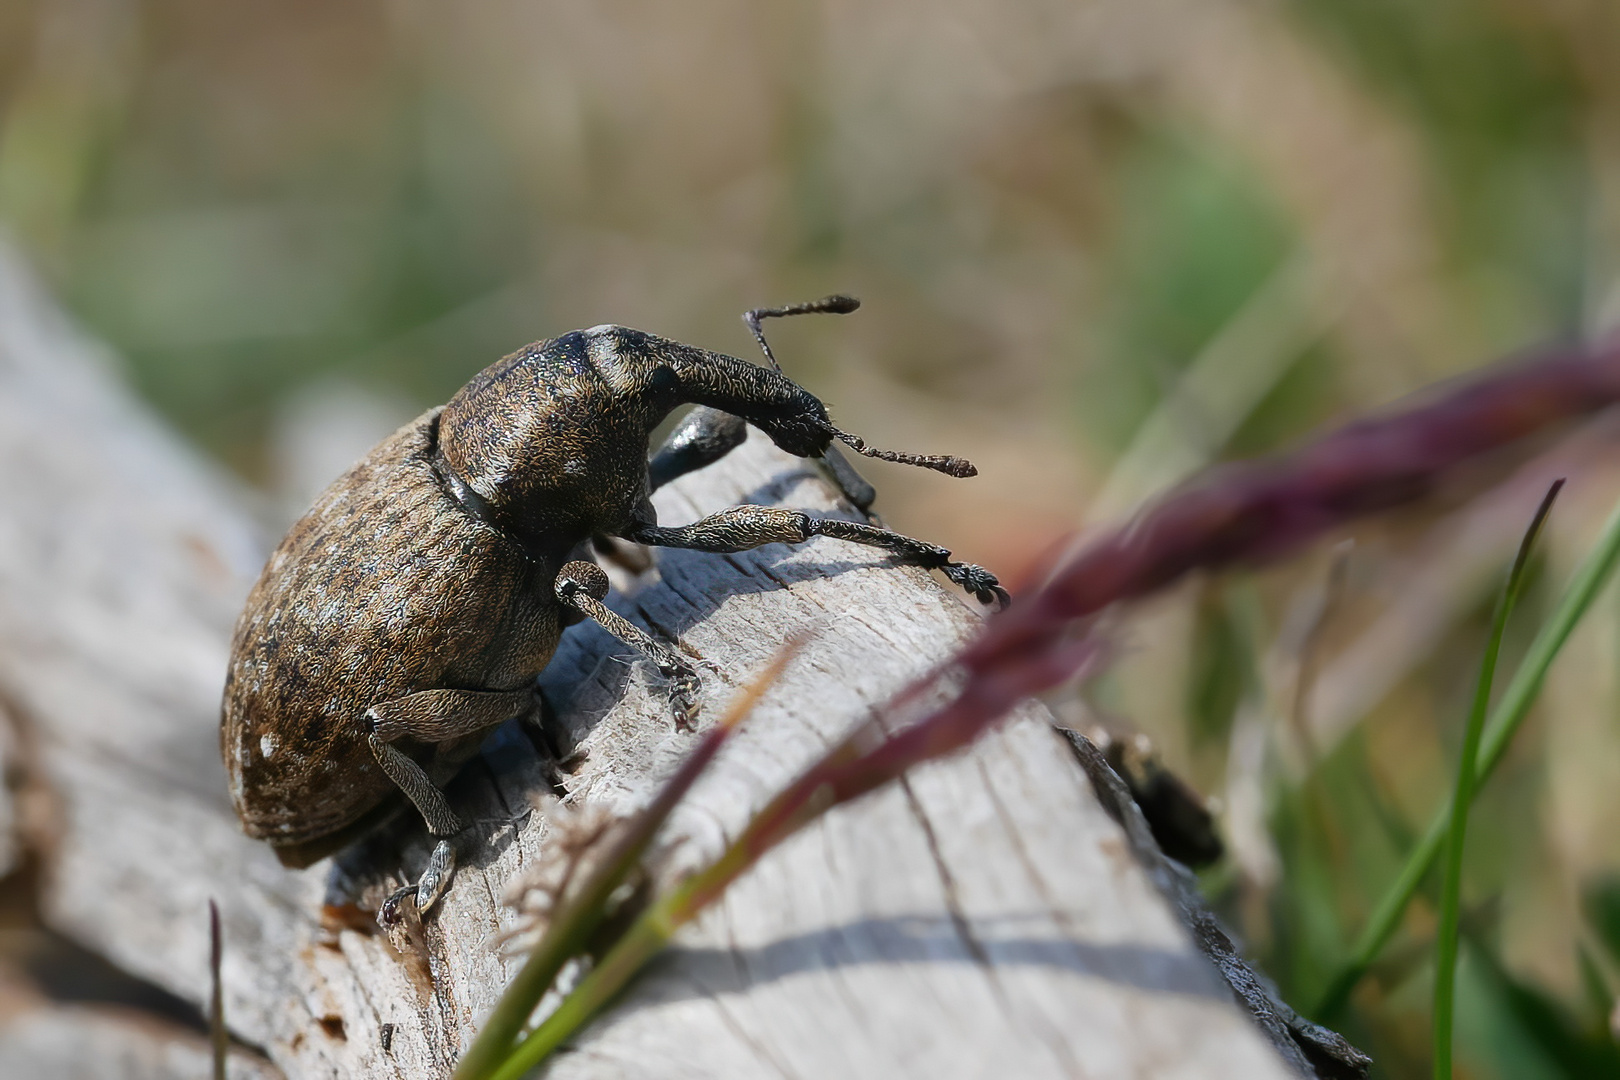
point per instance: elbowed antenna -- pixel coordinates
(961, 468)
(843, 304)
(836, 304)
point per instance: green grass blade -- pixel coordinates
(570, 931)
(1506, 718)
(646, 937)
(1445, 975)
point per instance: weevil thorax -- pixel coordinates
(551, 441)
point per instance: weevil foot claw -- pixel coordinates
(415, 900)
(978, 581)
(684, 704)
(393, 912)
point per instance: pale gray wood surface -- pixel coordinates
(986, 918)
(77, 1042)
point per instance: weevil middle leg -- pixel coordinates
(582, 586)
(740, 528)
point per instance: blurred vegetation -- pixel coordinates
(1099, 244)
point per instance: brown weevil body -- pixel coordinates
(408, 613)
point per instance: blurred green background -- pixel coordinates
(1100, 243)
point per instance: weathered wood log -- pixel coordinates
(80, 1042)
(986, 916)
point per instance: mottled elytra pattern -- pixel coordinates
(384, 588)
(410, 610)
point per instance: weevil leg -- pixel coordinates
(582, 586)
(705, 436)
(432, 885)
(856, 488)
(414, 782)
(708, 434)
(441, 822)
(435, 716)
(427, 891)
(739, 528)
(432, 716)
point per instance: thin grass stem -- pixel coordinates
(645, 938)
(865, 759)
(1505, 721)
(219, 1037)
(1445, 974)
(570, 931)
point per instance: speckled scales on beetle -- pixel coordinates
(409, 612)
(431, 598)
(430, 565)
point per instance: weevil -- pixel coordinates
(409, 612)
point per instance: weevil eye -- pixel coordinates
(663, 381)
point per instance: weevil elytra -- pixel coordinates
(408, 613)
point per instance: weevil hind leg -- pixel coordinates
(436, 716)
(432, 716)
(442, 822)
(582, 586)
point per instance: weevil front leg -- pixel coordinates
(432, 716)
(706, 435)
(703, 437)
(740, 528)
(582, 586)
